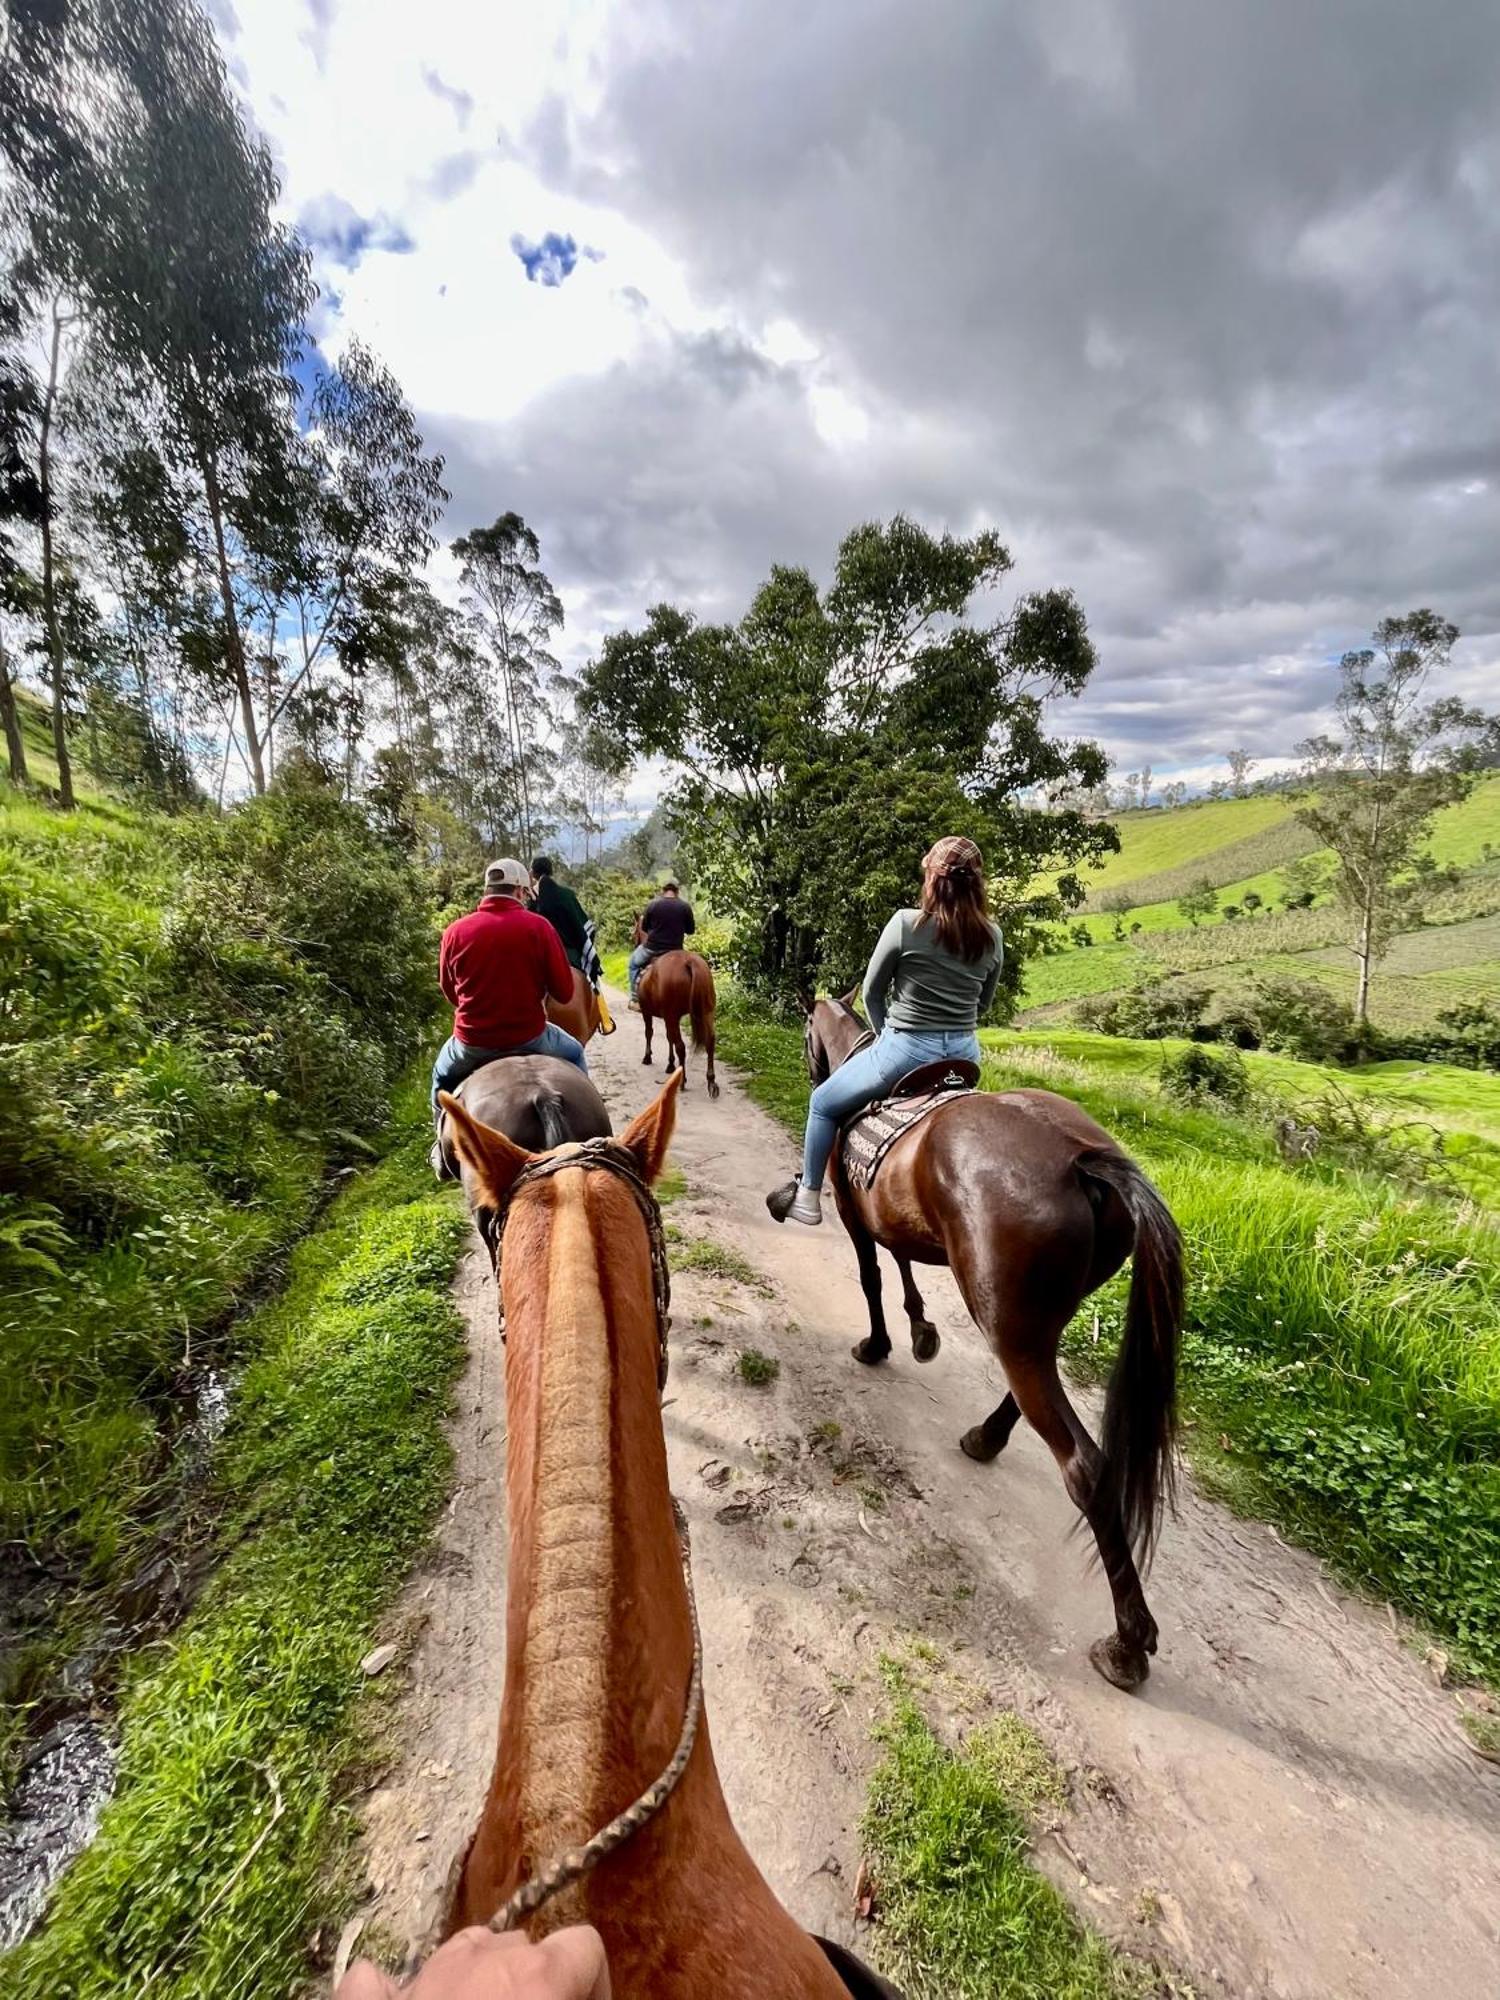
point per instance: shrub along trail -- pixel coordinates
(1288, 1809)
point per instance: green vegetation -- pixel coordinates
(713, 1260)
(1135, 928)
(758, 1369)
(196, 1016)
(960, 1909)
(216, 1861)
(1344, 1334)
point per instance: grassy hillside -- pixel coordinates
(1244, 847)
(197, 1016)
(1342, 1359)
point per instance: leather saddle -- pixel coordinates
(951, 1073)
(869, 1134)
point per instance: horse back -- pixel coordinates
(1001, 1155)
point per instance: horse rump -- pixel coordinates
(1140, 1409)
(700, 1001)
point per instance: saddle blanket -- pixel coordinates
(870, 1134)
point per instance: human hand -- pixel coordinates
(479, 1964)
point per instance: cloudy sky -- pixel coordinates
(1198, 303)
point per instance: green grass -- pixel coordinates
(1461, 834)
(758, 1369)
(1343, 1336)
(327, 1483)
(960, 1909)
(712, 1260)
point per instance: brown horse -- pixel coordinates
(537, 1101)
(580, 1015)
(1033, 1206)
(678, 983)
(600, 1649)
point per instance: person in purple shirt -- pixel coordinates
(664, 924)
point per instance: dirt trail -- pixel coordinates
(1287, 1809)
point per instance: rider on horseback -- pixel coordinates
(556, 902)
(664, 924)
(937, 966)
(497, 968)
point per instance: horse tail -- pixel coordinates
(701, 1002)
(553, 1117)
(1140, 1409)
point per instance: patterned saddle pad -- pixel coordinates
(870, 1134)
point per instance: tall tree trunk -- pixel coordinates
(234, 645)
(1362, 951)
(49, 574)
(15, 743)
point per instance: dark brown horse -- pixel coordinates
(1032, 1206)
(537, 1101)
(678, 983)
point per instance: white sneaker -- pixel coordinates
(807, 1207)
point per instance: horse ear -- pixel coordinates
(848, 999)
(494, 1160)
(649, 1136)
(806, 999)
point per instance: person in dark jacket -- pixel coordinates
(556, 902)
(665, 923)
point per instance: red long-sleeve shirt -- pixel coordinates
(497, 966)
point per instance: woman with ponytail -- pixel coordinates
(930, 978)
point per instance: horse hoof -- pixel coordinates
(974, 1444)
(645, 1062)
(1122, 1666)
(925, 1341)
(867, 1352)
(713, 1090)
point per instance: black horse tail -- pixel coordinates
(552, 1115)
(1140, 1409)
(701, 1002)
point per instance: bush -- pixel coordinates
(1197, 1073)
(1150, 1012)
(1298, 1017)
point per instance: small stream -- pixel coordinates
(68, 1775)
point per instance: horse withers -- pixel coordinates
(1033, 1206)
(605, 1805)
(678, 983)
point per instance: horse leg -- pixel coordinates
(876, 1346)
(1123, 1658)
(708, 1049)
(925, 1338)
(647, 1020)
(677, 1049)
(989, 1439)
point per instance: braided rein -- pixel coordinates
(571, 1866)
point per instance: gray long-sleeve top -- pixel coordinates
(930, 990)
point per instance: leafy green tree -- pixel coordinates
(1199, 902)
(1372, 791)
(149, 205)
(516, 613)
(826, 739)
(1241, 764)
(20, 498)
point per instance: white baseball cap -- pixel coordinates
(506, 874)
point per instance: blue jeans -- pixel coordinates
(864, 1077)
(457, 1059)
(640, 958)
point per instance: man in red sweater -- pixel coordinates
(497, 967)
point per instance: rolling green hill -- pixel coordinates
(1244, 847)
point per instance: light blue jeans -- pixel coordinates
(639, 959)
(864, 1077)
(457, 1059)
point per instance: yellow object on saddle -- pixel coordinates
(606, 1019)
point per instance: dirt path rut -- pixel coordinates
(1287, 1810)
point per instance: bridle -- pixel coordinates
(606, 1156)
(563, 1870)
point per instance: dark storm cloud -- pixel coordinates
(1198, 304)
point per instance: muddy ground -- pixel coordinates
(1287, 1809)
